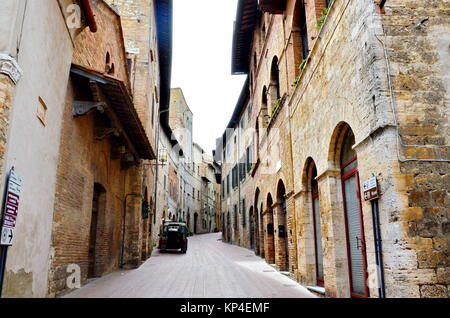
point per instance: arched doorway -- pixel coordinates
(314, 186)
(356, 248)
(228, 227)
(145, 225)
(259, 226)
(270, 238)
(189, 221)
(97, 218)
(283, 243)
(261, 232)
(195, 222)
(252, 228)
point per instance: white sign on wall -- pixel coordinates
(370, 187)
(11, 208)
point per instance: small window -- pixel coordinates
(109, 65)
(152, 58)
(41, 111)
(129, 65)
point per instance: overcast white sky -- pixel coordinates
(202, 42)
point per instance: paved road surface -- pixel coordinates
(210, 268)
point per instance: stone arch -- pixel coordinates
(313, 217)
(300, 34)
(251, 228)
(259, 223)
(344, 158)
(336, 143)
(269, 231)
(282, 244)
(274, 86)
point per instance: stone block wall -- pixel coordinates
(416, 37)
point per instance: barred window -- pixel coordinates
(249, 158)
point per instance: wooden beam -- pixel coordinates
(119, 130)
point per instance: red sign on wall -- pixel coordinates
(11, 208)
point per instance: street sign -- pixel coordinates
(371, 189)
(11, 209)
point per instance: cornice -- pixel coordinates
(10, 67)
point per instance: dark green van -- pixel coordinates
(173, 236)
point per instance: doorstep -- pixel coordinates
(319, 291)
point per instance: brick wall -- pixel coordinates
(87, 163)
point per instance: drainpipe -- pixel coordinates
(123, 225)
(90, 16)
(157, 165)
(378, 248)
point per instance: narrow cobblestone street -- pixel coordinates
(210, 268)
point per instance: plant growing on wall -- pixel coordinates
(277, 104)
(300, 67)
(321, 20)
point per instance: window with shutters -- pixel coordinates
(242, 170)
(223, 189)
(235, 176)
(249, 158)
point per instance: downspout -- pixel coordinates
(378, 248)
(90, 16)
(157, 166)
(291, 157)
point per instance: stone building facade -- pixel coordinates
(192, 186)
(168, 193)
(181, 123)
(197, 184)
(337, 96)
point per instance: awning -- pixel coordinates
(246, 18)
(122, 105)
